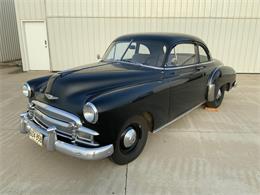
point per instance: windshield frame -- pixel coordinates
(160, 66)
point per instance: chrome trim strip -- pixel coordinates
(143, 65)
(51, 142)
(212, 74)
(177, 118)
(187, 66)
(165, 68)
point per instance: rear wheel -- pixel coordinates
(218, 98)
(130, 141)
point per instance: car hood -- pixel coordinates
(72, 88)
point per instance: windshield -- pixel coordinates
(146, 52)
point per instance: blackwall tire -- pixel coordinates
(218, 98)
(122, 154)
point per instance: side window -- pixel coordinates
(203, 55)
(182, 54)
(143, 49)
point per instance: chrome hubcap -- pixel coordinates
(129, 138)
(218, 94)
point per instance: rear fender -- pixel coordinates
(216, 73)
(220, 76)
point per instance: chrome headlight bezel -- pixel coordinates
(27, 91)
(90, 113)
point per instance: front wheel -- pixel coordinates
(130, 141)
(218, 99)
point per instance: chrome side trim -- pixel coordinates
(143, 65)
(177, 118)
(51, 143)
(187, 66)
(213, 73)
(165, 68)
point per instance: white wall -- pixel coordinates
(79, 29)
(9, 42)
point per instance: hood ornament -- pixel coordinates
(50, 97)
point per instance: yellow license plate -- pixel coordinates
(36, 136)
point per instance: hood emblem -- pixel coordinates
(50, 97)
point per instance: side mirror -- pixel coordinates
(132, 47)
(98, 56)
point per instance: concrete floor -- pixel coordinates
(202, 153)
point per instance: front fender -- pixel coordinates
(116, 106)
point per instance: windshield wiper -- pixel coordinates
(126, 49)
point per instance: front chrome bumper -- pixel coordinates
(51, 142)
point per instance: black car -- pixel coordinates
(106, 109)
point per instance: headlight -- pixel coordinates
(90, 113)
(27, 90)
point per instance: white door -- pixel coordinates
(37, 45)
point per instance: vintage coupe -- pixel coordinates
(106, 109)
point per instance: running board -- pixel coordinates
(177, 118)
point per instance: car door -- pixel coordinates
(184, 78)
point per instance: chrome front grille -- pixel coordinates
(67, 125)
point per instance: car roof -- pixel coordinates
(170, 38)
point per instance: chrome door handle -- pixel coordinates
(200, 67)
